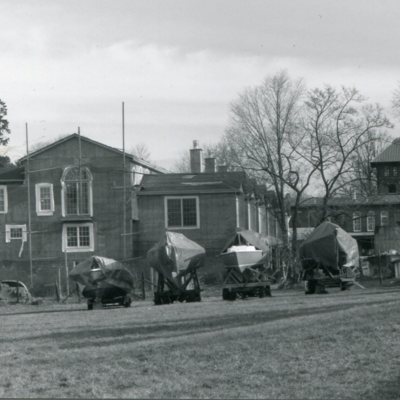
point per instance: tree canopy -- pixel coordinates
(4, 128)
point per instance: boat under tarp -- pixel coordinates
(245, 249)
(245, 274)
(331, 252)
(174, 253)
(104, 280)
(176, 260)
(331, 246)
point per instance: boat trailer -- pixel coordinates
(250, 283)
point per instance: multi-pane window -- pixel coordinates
(386, 171)
(182, 212)
(384, 218)
(394, 171)
(15, 232)
(3, 199)
(356, 222)
(77, 185)
(44, 199)
(371, 221)
(78, 237)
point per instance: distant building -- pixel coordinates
(369, 220)
(208, 207)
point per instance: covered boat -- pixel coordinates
(329, 255)
(176, 259)
(104, 280)
(245, 255)
(245, 249)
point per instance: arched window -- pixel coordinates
(77, 191)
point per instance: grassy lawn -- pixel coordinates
(339, 345)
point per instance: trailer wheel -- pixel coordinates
(157, 299)
(127, 301)
(310, 286)
(90, 304)
(267, 291)
(166, 299)
(343, 286)
(225, 294)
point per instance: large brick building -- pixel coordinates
(207, 206)
(76, 207)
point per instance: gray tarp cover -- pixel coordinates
(247, 237)
(174, 252)
(11, 290)
(330, 245)
(113, 273)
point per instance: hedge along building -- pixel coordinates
(77, 208)
(206, 206)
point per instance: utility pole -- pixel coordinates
(28, 184)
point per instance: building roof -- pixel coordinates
(189, 183)
(379, 199)
(12, 175)
(133, 158)
(390, 155)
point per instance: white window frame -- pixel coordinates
(371, 221)
(166, 198)
(8, 232)
(356, 221)
(4, 189)
(39, 211)
(64, 189)
(384, 215)
(77, 249)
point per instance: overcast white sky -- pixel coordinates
(177, 64)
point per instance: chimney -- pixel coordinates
(196, 158)
(209, 165)
(222, 168)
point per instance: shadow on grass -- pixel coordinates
(137, 333)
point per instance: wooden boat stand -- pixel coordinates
(169, 290)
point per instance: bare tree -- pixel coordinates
(396, 101)
(4, 128)
(339, 124)
(141, 150)
(182, 164)
(362, 179)
(265, 131)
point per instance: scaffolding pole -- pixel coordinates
(124, 184)
(28, 184)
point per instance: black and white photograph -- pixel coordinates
(200, 199)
